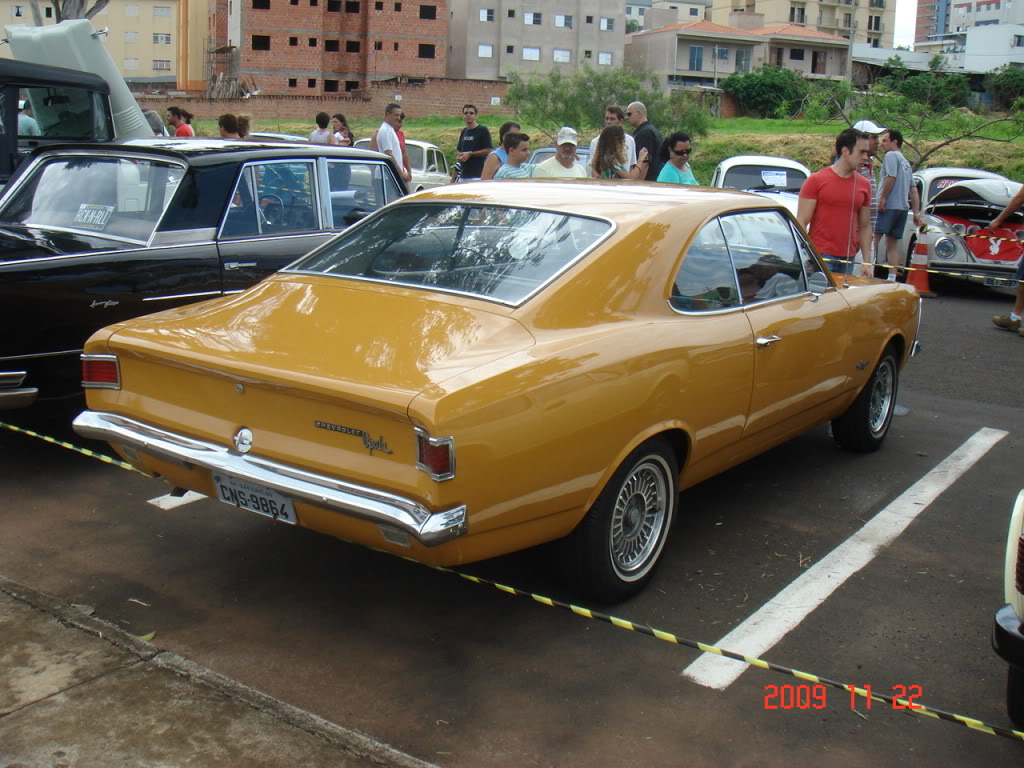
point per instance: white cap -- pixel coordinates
(567, 136)
(866, 126)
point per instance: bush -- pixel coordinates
(1008, 85)
(767, 91)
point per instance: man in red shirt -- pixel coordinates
(835, 205)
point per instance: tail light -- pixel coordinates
(101, 372)
(435, 455)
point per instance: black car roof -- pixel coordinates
(202, 152)
(26, 75)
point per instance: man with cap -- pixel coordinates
(563, 165)
(27, 125)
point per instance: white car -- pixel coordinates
(1007, 632)
(930, 182)
(427, 162)
(777, 178)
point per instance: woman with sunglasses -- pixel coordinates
(675, 153)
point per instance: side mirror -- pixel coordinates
(818, 283)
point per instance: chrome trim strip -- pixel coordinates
(411, 517)
(915, 348)
(182, 296)
(200, 236)
(41, 354)
(12, 379)
(113, 251)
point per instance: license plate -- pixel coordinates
(1001, 282)
(255, 498)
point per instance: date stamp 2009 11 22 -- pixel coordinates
(791, 696)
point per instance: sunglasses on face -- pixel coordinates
(681, 152)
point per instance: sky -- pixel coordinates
(906, 17)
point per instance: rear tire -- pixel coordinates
(864, 425)
(1015, 697)
(615, 548)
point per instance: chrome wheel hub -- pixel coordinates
(639, 518)
(883, 393)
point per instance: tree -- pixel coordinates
(1008, 85)
(768, 91)
(632, 25)
(68, 9)
(579, 100)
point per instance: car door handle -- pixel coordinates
(767, 341)
(239, 264)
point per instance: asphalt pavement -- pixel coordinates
(77, 692)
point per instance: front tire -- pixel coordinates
(615, 548)
(864, 425)
(1015, 697)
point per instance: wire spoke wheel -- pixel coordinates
(883, 391)
(638, 517)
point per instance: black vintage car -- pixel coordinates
(94, 234)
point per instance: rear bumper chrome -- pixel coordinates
(12, 394)
(412, 518)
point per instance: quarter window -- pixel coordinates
(768, 263)
(706, 280)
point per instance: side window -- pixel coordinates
(285, 199)
(815, 276)
(706, 279)
(769, 264)
(358, 189)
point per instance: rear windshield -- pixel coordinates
(493, 252)
(764, 177)
(108, 196)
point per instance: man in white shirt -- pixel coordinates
(387, 138)
(563, 165)
(614, 116)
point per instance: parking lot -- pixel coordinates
(465, 675)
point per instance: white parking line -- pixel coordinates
(787, 609)
(168, 501)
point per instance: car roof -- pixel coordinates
(944, 170)
(214, 151)
(618, 201)
(28, 75)
(782, 162)
(417, 142)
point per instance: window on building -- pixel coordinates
(428, 11)
(642, 12)
(378, 6)
(875, 23)
(486, 14)
(331, 86)
(351, 85)
(531, 54)
(261, 5)
(378, 45)
(312, 42)
(561, 55)
(131, 64)
(293, 41)
(161, 38)
(696, 58)
(333, 6)
(48, 12)
(511, 13)
(484, 51)
(604, 58)
(261, 42)
(590, 19)
(398, 7)
(797, 14)
(847, 20)
(796, 54)
(17, 11)
(351, 46)
(332, 46)
(293, 2)
(130, 9)
(565, 22)
(531, 17)
(588, 54)
(1018, 41)
(510, 49)
(313, 2)
(426, 51)
(742, 60)
(607, 25)
(161, 10)
(293, 82)
(693, 11)
(396, 46)
(721, 53)
(311, 82)
(131, 37)
(161, 65)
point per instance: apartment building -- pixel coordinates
(490, 39)
(311, 47)
(862, 21)
(158, 42)
(700, 53)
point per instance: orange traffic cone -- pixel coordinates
(918, 276)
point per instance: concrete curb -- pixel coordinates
(359, 744)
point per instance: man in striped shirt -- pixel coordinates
(867, 170)
(517, 145)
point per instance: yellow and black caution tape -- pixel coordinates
(644, 629)
(941, 272)
(75, 448)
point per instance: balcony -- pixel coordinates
(876, 3)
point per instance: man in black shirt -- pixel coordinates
(647, 137)
(473, 147)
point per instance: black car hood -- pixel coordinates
(18, 243)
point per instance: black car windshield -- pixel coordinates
(763, 177)
(493, 252)
(115, 197)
